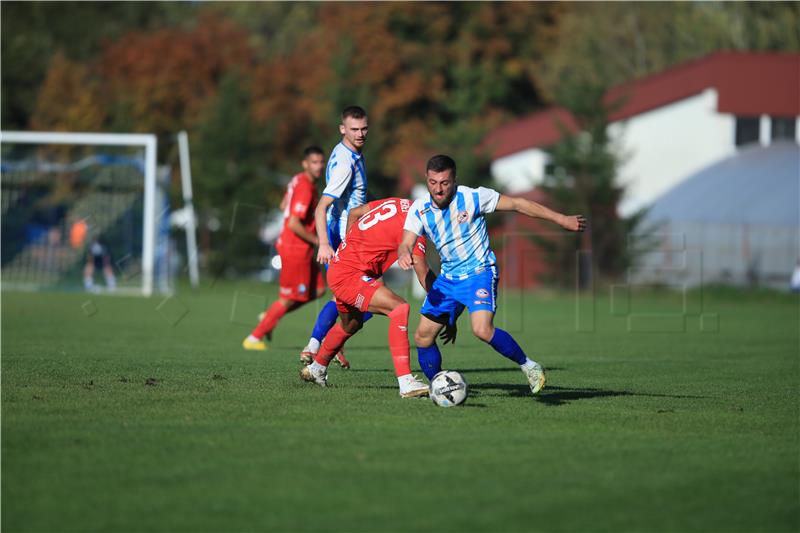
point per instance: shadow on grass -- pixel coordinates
(462, 370)
(563, 395)
(510, 369)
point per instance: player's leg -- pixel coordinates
(428, 354)
(325, 321)
(108, 273)
(352, 320)
(88, 273)
(479, 295)
(436, 312)
(386, 302)
(269, 320)
(297, 284)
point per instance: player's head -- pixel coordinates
(313, 161)
(440, 177)
(354, 127)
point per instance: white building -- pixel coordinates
(671, 125)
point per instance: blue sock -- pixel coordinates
(367, 316)
(430, 360)
(325, 320)
(506, 346)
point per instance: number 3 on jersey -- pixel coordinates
(384, 211)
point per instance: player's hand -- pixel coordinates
(405, 261)
(574, 223)
(324, 254)
(449, 334)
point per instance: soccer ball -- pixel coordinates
(448, 388)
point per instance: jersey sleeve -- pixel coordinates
(419, 247)
(339, 178)
(488, 198)
(414, 219)
(301, 200)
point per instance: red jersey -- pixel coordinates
(371, 244)
(300, 200)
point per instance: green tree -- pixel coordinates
(582, 178)
(231, 184)
(606, 43)
(33, 32)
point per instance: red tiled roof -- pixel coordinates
(748, 83)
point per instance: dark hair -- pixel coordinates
(313, 149)
(353, 111)
(440, 163)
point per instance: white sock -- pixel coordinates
(317, 368)
(312, 346)
(252, 339)
(527, 364)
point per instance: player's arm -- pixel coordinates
(537, 210)
(339, 177)
(325, 252)
(355, 214)
(421, 267)
(404, 257)
(412, 230)
(296, 226)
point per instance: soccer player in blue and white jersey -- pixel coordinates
(345, 188)
(452, 217)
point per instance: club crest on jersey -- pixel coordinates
(462, 217)
(482, 293)
(301, 288)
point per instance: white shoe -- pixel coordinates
(308, 374)
(413, 388)
(535, 375)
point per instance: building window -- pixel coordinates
(747, 130)
(783, 128)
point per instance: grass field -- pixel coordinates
(117, 416)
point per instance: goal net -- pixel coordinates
(83, 212)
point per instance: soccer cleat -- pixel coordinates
(307, 374)
(341, 360)
(307, 357)
(260, 346)
(536, 376)
(414, 389)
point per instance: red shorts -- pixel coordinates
(353, 289)
(301, 279)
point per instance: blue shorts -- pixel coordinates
(449, 296)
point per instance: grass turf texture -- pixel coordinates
(117, 416)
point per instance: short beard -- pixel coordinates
(446, 202)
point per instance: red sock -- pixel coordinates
(270, 320)
(331, 344)
(398, 339)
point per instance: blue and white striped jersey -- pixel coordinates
(459, 231)
(346, 182)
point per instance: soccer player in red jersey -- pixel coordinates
(354, 278)
(301, 280)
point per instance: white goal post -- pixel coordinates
(147, 142)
